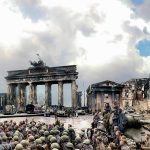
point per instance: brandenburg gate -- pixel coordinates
(40, 74)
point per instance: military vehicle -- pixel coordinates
(38, 109)
(61, 113)
(48, 112)
(134, 127)
(9, 110)
(81, 112)
(30, 109)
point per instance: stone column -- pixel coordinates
(19, 93)
(93, 101)
(60, 94)
(23, 95)
(9, 94)
(30, 93)
(48, 101)
(102, 99)
(34, 93)
(73, 93)
(12, 94)
(113, 95)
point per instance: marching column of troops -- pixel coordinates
(103, 134)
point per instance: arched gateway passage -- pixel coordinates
(40, 74)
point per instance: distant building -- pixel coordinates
(79, 98)
(3, 99)
(103, 92)
(136, 90)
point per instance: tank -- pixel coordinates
(134, 127)
(134, 120)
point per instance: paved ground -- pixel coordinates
(77, 122)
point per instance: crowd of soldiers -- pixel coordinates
(108, 131)
(40, 136)
(102, 135)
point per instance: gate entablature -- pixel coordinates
(41, 74)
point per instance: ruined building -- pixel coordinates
(134, 92)
(103, 92)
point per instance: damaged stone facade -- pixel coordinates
(131, 93)
(103, 92)
(136, 91)
(40, 74)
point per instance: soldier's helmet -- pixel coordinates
(50, 136)
(36, 136)
(56, 132)
(38, 141)
(65, 133)
(46, 133)
(42, 139)
(31, 138)
(34, 129)
(83, 130)
(24, 143)
(86, 141)
(81, 133)
(53, 140)
(19, 147)
(64, 138)
(69, 145)
(77, 139)
(52, 132)
(44, 128)
(41, 132)
(70, 129)
(4, 138)
(55, 145)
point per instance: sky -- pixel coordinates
(106, 39)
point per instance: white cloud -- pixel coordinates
(98, 35)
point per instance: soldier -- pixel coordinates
(31, 141)
(69, 146)
(146, 146)
(111, 146)
(78, 143)
(124, 145)
(99, 144)
(24, 144)
(38, 142)
(55, 145)
(81, 134)
(118, 118)
(4, 143)
(19, 147)
(1, 146)
(53, 140)
(107, 108)
(87, 145)
(64, 141)
(61, 127)
(71, 134)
